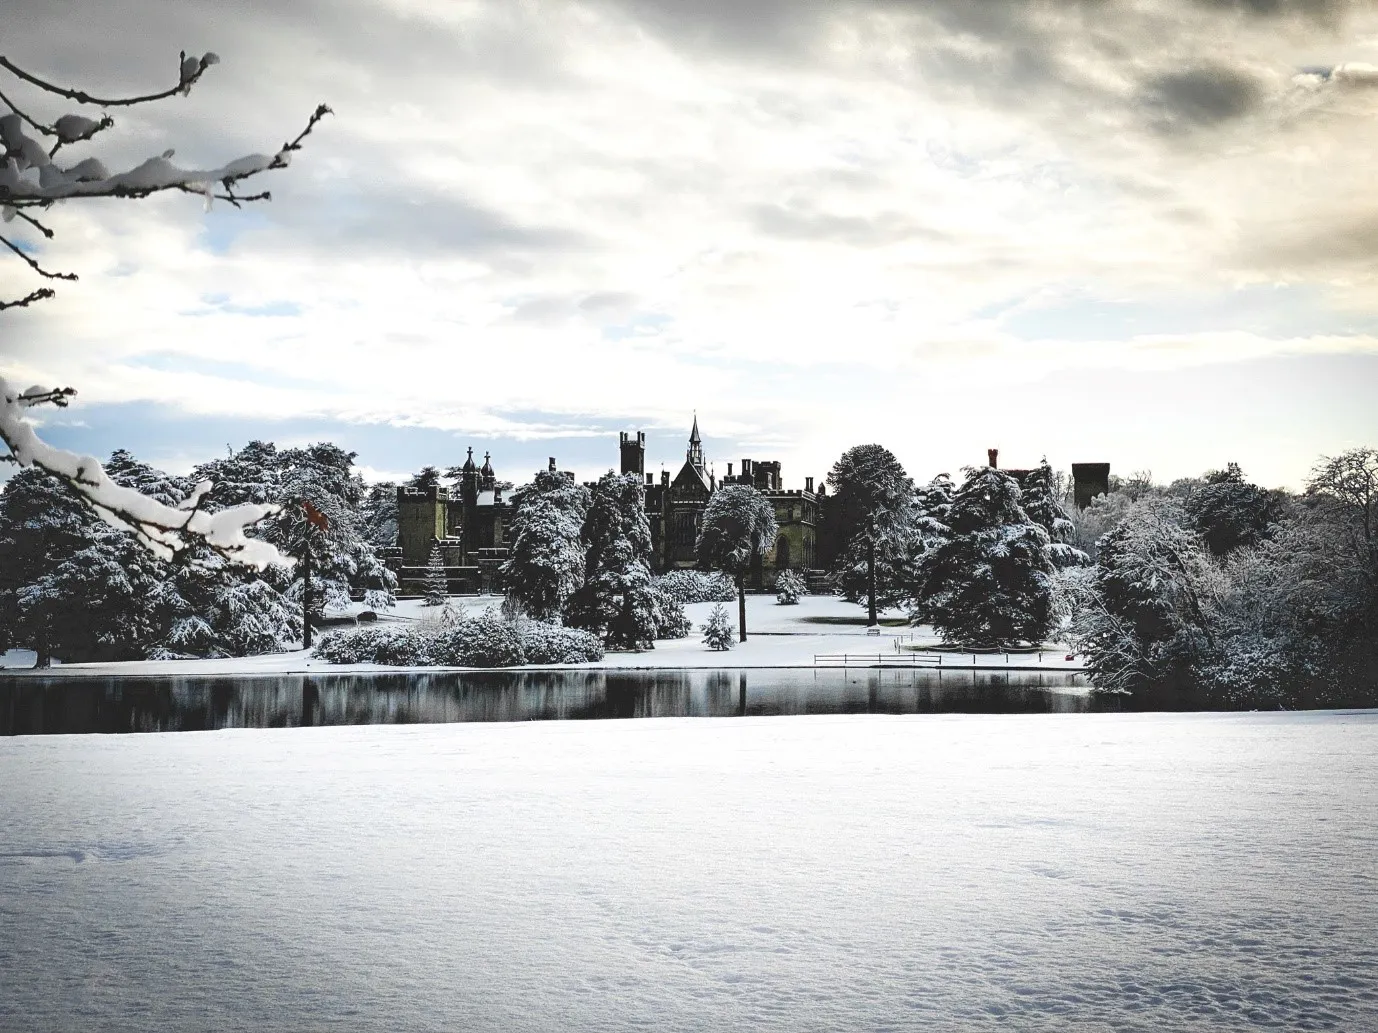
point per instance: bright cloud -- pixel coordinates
(814, 222)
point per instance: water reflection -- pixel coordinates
(37, 705)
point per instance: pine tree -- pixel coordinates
(738, 528)
(1040, 504)
(717, 631)
(875, 513)
(545, 562)
(617, 601)
(990, 581)
(437, 587)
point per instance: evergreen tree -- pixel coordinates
(717, 631)
(378, 515)
(738, 528)
(437, 586)
(545, 560)
(789, 586)
(343, 560)
(428, 477)
(617, 601)
(1039, 501)
(875, 511)
(1229, 513)
(990, 581)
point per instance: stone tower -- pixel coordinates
(634, 453)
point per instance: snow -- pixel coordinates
(777, 636)
(985, 873)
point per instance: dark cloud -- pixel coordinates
(1203, 96)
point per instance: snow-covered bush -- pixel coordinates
(554, 644)
(717, 631)
(670, 619)
(697, 586)
(488, 640)
(483, 641)
(789, 586)
(393, 645)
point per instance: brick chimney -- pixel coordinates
(993, 454)
(551, 467)
(808, 484)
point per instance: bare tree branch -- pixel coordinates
(33, 264)
(189, 71)
(38, 295)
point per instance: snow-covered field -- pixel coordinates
(1087, 872)
(777, 636)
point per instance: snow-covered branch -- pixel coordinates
(31, 178)
(165, 530)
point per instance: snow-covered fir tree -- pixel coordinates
(343, 561)
(75, 587)
(875, 514)
(990, 581)
(738, 528)
(617, 601)
(1230, 513)
(1039, 501)
(545, 560)
(789, 586)
(717, 630)
(437, 585)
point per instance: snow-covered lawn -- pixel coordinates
(1164, 873)
(777, 636)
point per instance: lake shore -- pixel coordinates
(777, 637)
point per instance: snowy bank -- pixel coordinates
(777, 636)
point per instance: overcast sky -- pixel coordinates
(1135, 231)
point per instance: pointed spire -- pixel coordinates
(694, 438)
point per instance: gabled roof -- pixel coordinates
(690, 476)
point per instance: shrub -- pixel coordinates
(554, 644)
(670, 619)
(789, 586)
(403, 647)
(483, 641)
(487, 640)
(717, 632)
(697, 586)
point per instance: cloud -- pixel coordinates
(625, 208)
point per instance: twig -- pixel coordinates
(38, 295)
(82, 97)
(34, 264)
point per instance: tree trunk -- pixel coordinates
(306, 595)
(741, 608)
(871, 583)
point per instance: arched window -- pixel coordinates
(781, 553)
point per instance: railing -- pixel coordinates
(878, 660)
(914, 659)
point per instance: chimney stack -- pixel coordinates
(551, 467)
(993, 455)
(808, 484)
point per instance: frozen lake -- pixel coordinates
(933, 872)
(35, 704)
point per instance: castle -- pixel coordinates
(468, 523)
